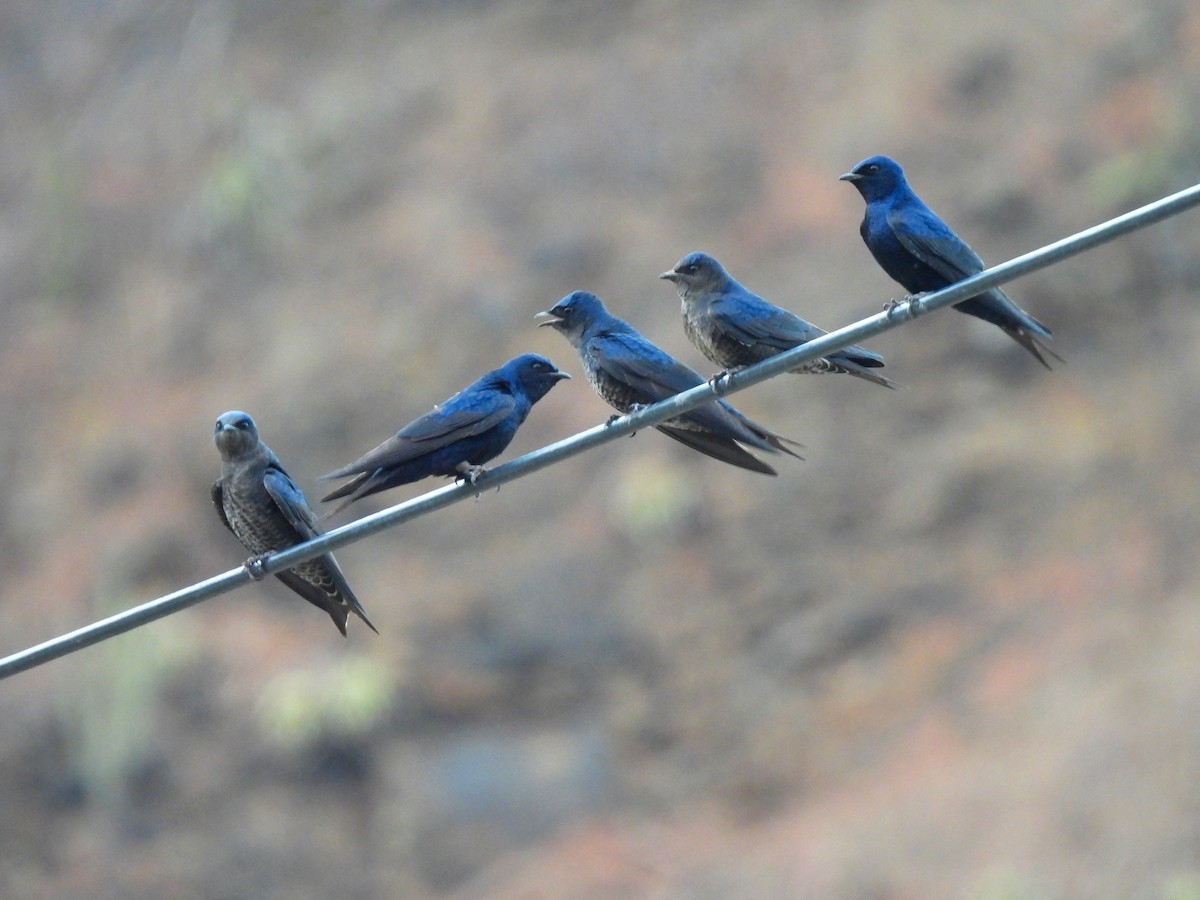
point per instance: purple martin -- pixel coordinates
(628, 371)
(920, 251)
(456, 437)
(736, 328)
(261, 505)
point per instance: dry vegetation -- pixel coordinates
(952, 654)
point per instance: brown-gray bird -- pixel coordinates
(628, 371)
(736, 328)
(261, 505)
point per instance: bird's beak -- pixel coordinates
(560, 376)
(550, 319)
(850, 177)
(670, 275)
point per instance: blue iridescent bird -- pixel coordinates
(628, 372)
(261, 505)
(923, 254)
(456, 437)
(735, 328)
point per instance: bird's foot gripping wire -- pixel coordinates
(254, 566)
(632, 408)
(719, 381)
(904, 306)
(471, 474)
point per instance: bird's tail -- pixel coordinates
(356, 608)
(725, 449)
(846, 367)
(780, 443)
(741, 428)
(1034, 327)
(997, 307)
(873, 377)
(344, 599)
(333, 512)
(346, 490)
(337, 509)
(771, 439)
(1033, 343)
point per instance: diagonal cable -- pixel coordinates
(905, 311)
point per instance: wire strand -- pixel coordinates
(903, 312)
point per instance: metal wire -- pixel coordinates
(905, 311)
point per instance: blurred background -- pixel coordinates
(952, 654)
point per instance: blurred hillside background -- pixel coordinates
(952, 654)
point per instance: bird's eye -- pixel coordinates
(242, 424)
(691, 268)
(540, 367)
(873, 168)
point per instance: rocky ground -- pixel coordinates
(950, 654)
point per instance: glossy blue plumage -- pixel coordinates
(457, 437)
(923, 253)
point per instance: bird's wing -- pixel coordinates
(460, 417)
(291, 502)
(753, 321)
(718, 447)
(932, 241)
(633, 360)
(218, 499)
(637, 362)
(444, 425)
(761, 322)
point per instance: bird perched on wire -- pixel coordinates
(736, 328)
(457, 437)
(920, 251)
(261, 505)
(629, 372)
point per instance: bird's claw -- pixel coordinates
(469, 472)
(254, 567)
(720, 380)
(894, 307)
(904, 306)
(635, 408)
(630, 410)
